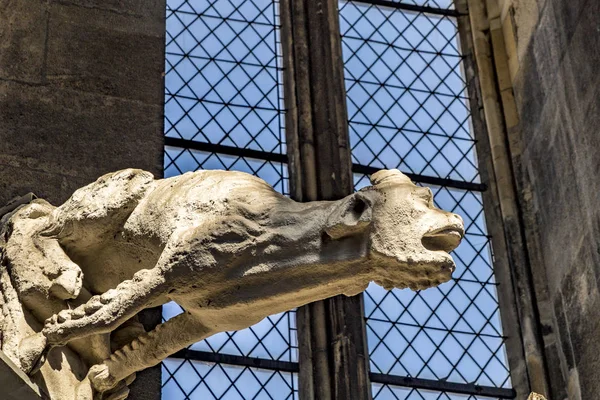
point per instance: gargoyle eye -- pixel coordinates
(426, 194)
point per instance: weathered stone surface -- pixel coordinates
(121, 69)
(223, 245)
(557, 93)
(16, 180)
(138, 8)
(535, 396)
(23, 32)
(81, 94)
(72, 134)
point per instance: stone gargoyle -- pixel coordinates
(225, 246)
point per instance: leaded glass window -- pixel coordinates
(408, 108)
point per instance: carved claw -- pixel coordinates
(87, 391)
(100, 378)
(93, 305)
(119, 393)
(33, 351)
(56, 325)
(108, 296)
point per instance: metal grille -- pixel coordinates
(407, 100)
(200, 380)
(397, 392)
(434, 5)
(408, 109)
(224, 110)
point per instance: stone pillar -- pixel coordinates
(81, 94)
(331, 333)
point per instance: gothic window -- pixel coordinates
(408, 108)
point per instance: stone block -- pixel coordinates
(529, 94)
(560, 359)
(77, 134)
(526, 15)
(548, 47)
(23, 26)
(508, 29)
(582, 308)
(586, 142)
(559, 191)
(140, 8)
(17, 180)
(147, 384)
(567, 15)
(104, 52)
(14, 383)
(583, 55)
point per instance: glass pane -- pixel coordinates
(193, 380)
(389, 392)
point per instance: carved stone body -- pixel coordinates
(223, 245)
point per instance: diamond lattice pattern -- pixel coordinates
(222, 73)
(408, 109)
(186, 379)
(439, 4)
(407, 102)
(396, 392)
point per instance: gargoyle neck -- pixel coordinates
(303, 225)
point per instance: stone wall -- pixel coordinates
(81, 94)
(553, 51)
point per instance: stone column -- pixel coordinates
(331, 333)
(81, 94)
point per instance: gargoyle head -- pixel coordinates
(409, 239)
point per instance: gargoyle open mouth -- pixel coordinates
(445, 239)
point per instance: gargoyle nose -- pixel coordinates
(457, 219)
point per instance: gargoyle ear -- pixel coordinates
(352, 215)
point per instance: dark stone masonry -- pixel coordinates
(81, 94)
(557, 91)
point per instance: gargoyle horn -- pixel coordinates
(389, 177)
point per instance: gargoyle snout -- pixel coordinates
(446, 237)
(456, 219)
